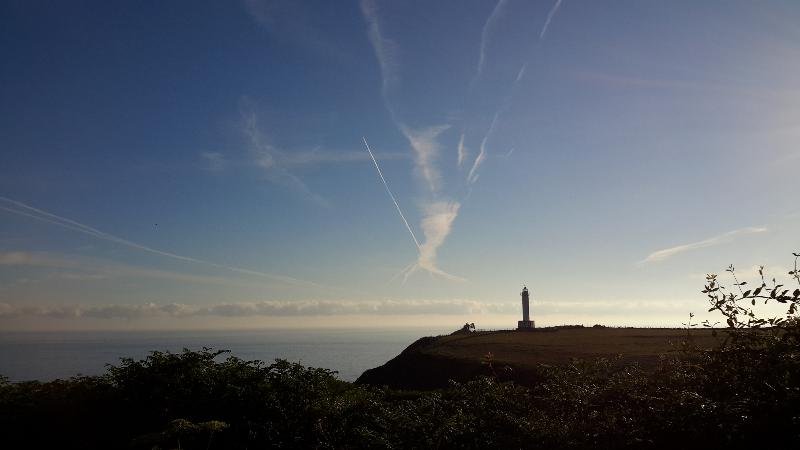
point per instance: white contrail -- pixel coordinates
(25, 210)
(423, 140)
(487, 26)
(723, 238)
(386, 185)
(35, 213)
(550, 16)
(521, 73)
(472, 177)
(462, 150)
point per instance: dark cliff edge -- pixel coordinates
(414, 368)
(423, 366)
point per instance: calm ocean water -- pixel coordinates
(47, 356)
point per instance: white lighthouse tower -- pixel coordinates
(526, 323)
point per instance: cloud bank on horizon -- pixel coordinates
(261, 308)
(497, 312)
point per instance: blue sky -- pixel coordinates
(202, 164)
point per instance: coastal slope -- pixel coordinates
(430, 362)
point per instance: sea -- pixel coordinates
(47, 356)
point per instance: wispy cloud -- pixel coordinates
(723, 238)
(472, 177)
(437, 225)
(550, 16)
(425, 143)
(385, 50)
(462, 151)
(437, 215)
(22, 209)
(521, 73)
(291, 22)
(268, 159)
(488, 26)
(214, 161)
(261, 308)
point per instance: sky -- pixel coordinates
(378, 164)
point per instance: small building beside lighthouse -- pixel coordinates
(526, 323)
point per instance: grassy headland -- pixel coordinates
(516, 355)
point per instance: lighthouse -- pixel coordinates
(526, 323)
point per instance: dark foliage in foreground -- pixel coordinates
(741, 395)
